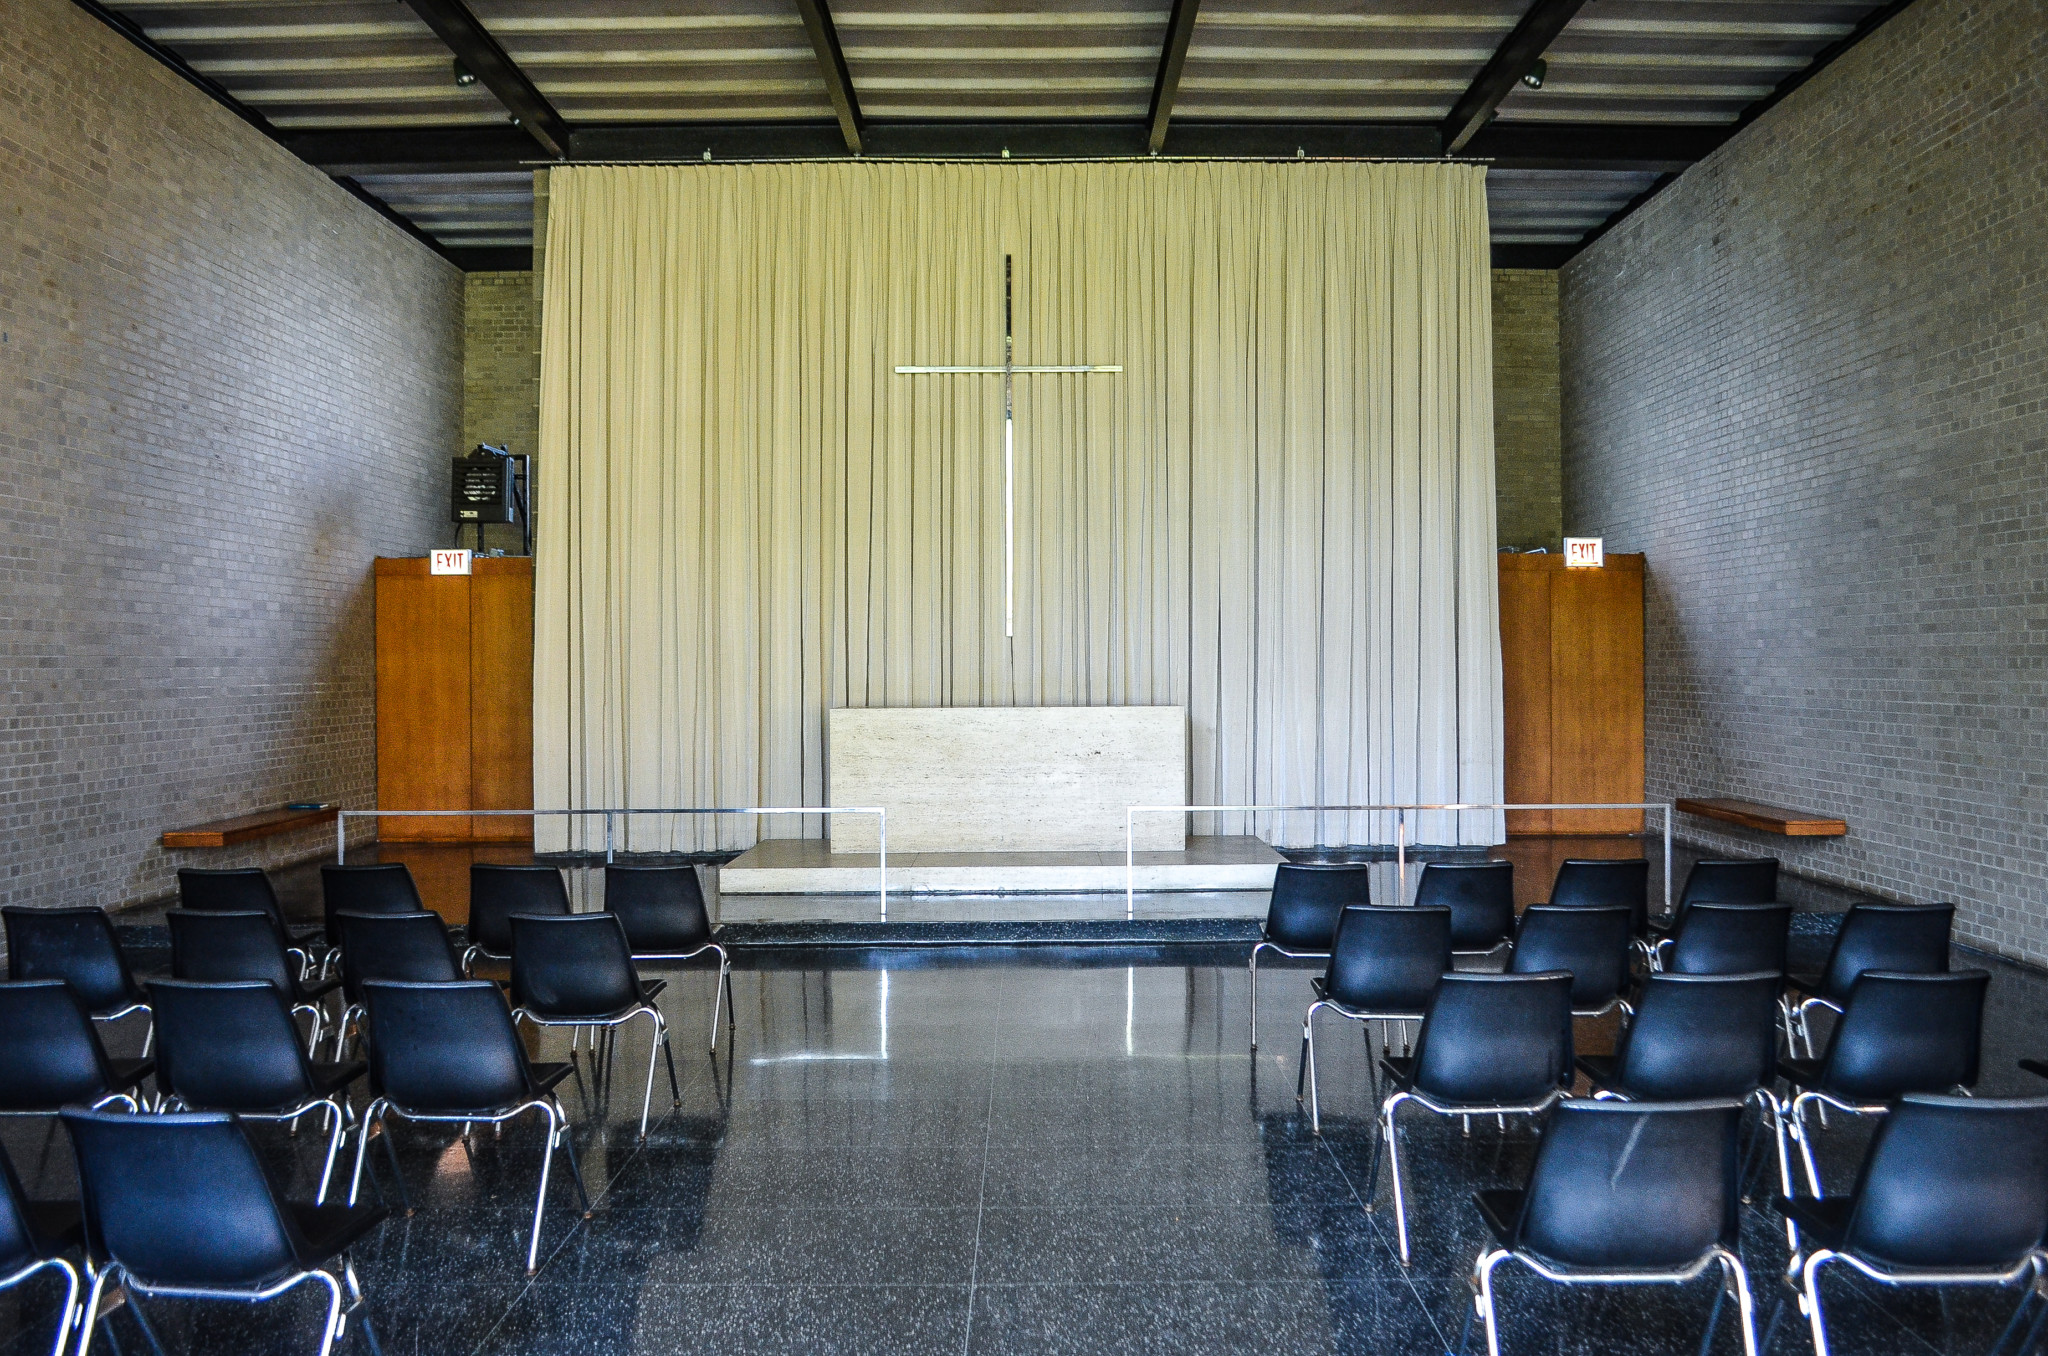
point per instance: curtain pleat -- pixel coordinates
(1280, 515)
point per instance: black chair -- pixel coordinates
(382, 888)
(1694, 1038)
(1383, 968)
(1898, 1033)
(1624, 1193)
(1592, 943)
(404, 947)
(1481, 898)
(1490, 1045)
(224, 948)
(449, 1053)
(52, 1057)
(1727, 939)
(34, 1236)
(1301, 916)
(234, 1047)
(1900, 938)
(179, 1206)
(663, 910)
(576, 970)
(237, 890)
(498, 892)
(1745, 880)
(77, 946)
(1952, 1191)
(1598, 883)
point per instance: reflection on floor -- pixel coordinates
(984, 1150)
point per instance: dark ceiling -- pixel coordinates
(380, 94)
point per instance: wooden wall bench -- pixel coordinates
(246, 828)
(1764, 818)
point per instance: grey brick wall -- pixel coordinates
(1527, 434)
(501, 372)
(227, 386)
(1810, 381)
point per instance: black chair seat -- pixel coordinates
(2038, 1067)
(651, 941)
(57, 1225)
(1501, 1208)
(129, 1072)
(1801, 1073)
(1824, 1222)
(547, 1076)
(330, 1229)
(329, 1079)
(1600, 1071)
(1399, 1069)
(1321, 989)
(1804, 982)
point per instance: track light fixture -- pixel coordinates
(1533, 77)
(463, 77)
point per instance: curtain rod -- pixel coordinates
(1030, 160)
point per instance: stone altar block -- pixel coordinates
(1007, 778)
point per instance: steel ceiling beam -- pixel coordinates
(832, 66)
(1173, 54)
(1512, 60)
(1639, 148)
(483, 58)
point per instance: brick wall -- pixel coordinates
(501, 372)
(1527, 464)
(1810, 380)
(227, 386)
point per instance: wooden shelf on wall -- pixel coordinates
(247, 828)
(1764, 818)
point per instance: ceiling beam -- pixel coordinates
(1512, 60)
(832, 65)
(1638, 148)
(427, 150)
(1173, 54)
(483, 58)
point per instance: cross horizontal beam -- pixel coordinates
(1020, 369)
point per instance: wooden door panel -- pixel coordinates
(1525, 687)
(501, 700)
(1596, 694)
(423, 707)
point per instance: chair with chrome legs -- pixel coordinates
(1591, 943)
(449, 1053)
(662, 908)
(495, 894)
(1301, 916)
(1600, 883)
(385, 887)
(1490, 1045)
(179, 1206)
(406, 947)
(1623, 1193)
(1735, 880)
(1383, 968)
(238, 889)
(577, 971)
(1726, 939)
(1899, 1033)
(34, 1236)
(52, 1057)
(234, 1047)
(224, 948)
(1901, 938)
(77, 946)
(1481, 898)
(1952, 1191)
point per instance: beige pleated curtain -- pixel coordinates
(1280, 514)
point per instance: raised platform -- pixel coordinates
(807, 866)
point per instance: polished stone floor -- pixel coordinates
(985, 1150)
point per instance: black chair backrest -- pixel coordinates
(51, 1055)
(1748, 880)
(1595, 882)
(1700, 1037)
(386, 887)
(662, 907)
(220, 948)
(1480, 896)
(1308, 900)
(1953, 1183)
(1903, 1033)
(181, 1200)
(572, 965)
(1495, 1040)
(443, 1049)
(405, 947)
(1387, 959)
(1731, 939)
(1633, 1186)
(231, 890)
(1592, 943)
(228, 1047)
(75, 945)
(1903, 938)
(498, 892)
(18, 1245)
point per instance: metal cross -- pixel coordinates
(1009, 371)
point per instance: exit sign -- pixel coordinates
(1585, 553)
(448, 562)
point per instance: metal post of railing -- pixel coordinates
(882, 859)
(1667, 861)
(1401, 855)
(1130, 865)
(607, 837)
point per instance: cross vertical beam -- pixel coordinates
(1180, 29)
(1511, 61)
(832, 66)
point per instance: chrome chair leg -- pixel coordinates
(1810, 1294)
(1387, 1130)
(1484, 1299)
(1256, 948)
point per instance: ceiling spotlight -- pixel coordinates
(1533, 77)
(463, 76)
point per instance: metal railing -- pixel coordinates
(611, 815)
(1400, 813)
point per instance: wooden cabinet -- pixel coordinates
(1571, 652)
(455, 699)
